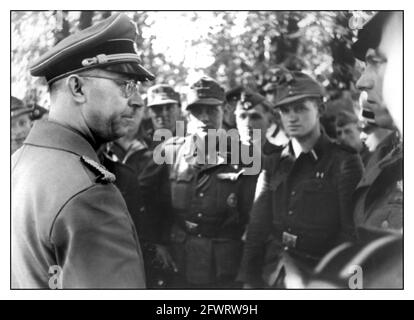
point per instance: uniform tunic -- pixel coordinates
(303, 208)
(379, 194)
(206, 207)
(68, 218)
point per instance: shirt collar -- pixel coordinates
(293, 148)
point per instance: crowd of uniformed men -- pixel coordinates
(90, 196)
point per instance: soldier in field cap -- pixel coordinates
(70, 225)
(164, 106)
(22, 117)
(303, 204)
(203, 196)
(20, 123)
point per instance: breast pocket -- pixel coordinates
(181, 188)
(226, 194)
(320, 207)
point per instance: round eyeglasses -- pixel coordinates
(129, 87)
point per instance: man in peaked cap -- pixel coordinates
(304, 193)
(252, 113)
(378, 211)
(70, 226)
(164, 106)
(207, 200)
(379, 45)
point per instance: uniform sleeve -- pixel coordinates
(258, 230)
(349, 174)
(155, 187)
(95, 242)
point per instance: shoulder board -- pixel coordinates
(103, 175)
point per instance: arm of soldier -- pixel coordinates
(155, 187)
(349, 174)
(246, 195)
(258, 230)
(95, 242)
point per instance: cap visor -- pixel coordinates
(207, 101)
(131, 68)
(296, 98)
(160, 102)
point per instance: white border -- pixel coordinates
(5, 293)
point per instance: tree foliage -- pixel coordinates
(245, 45)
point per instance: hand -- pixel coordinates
(163, 256)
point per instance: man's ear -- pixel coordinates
(75, 85)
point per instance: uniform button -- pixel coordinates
(142, 209)
(199, 235)
(289, 230)
(385, 224)
(293, 193)
(199, 215)
(201, 194)
(286, 248)
(290, 212)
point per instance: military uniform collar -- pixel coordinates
(316, 152)
(53, 135)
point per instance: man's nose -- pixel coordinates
(136, 101)
(365, 82)
(204, 115)
(292, 115)
(164, 112)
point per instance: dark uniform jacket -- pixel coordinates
(379, 195)
(365, 154)
(67, 216)
(204, 209)
(135, 157)
(302, 207)
(127, 166)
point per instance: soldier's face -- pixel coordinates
(110, 113)
(300, 118)
(206, 116)
(391, 47)
(249, 120)
(164, 116)
(134, 124)
(20, 128)
(350, 135)
(371, 81)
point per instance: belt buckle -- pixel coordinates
(289, 239)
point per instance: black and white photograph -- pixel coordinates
(200, 150)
